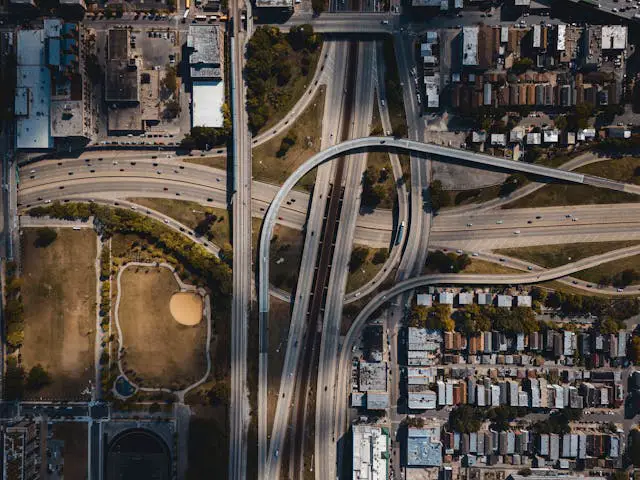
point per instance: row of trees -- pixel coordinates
(17, 381)
(469, 418)
(437, 317)
(373, 191)
(213, 273)
(273, 60)
(14, 308)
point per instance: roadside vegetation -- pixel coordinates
(622, 169)
(620, 273)
(364, 264)
(393, 90)
(551, 256)
(209, 222)
(279, 67)
(274, 161)
(440, 262)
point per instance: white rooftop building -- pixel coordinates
(614, 37)
(370, 453)
(470, 46)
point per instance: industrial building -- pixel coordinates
(48, 96)
(21, 451)
(424, 448)
(205, 45)
(370, 452)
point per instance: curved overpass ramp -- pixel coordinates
(350, 146)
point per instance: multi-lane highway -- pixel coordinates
(334, 103)
(240, 199)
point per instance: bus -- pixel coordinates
(400, 232)
(201, 18)
(186, 14)
(187, 4)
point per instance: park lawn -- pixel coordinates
(621, 169)
(219, 161)
(551, 256)
(279, 321)
(365, 272)
(285, 255)
(609, 269)
(59, 296)
(159, 351)
(268, 167)
(190, 214)
(74, 451)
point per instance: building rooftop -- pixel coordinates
(274, 3)
(373, 376)
(470, 46)
(370, 453)
(67, 118)
(118, 44)
(614, 37)
(205, 45)
(125, 119)
(207, 100)
(424, 448)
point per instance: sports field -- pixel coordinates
(161, 351)
(60, 309)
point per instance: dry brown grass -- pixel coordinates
(279, 321)
(60, 309)
(268, 167)
(159, 350)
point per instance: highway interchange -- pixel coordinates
(471, 228)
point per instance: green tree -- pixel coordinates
(465, 419)
(380, 256)
(318, 6)
(439, 197)
(45, 237)
(287, 142)
(37, 378)
(359, 255)
(13, 380)
(170, 80)
(512, 183)
(172, 108)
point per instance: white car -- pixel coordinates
(516, 232)
(166, 221)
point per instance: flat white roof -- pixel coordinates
(470, 46)
(614, 37)
(207, 98)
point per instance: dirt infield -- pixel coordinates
(186, 308)
(160, 351)
(60, 309)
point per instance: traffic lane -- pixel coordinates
(570, 233)
(54, 411)
(564, 216)
(174, 175)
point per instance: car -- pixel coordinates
(499, 222)
(166, 221)
(133, 207)
(458, 251)
(620, 290)
(529, 221)
(516, 232)
(529, 267)
(159, 172)
(47, 201)
(385, 22)
(474, 254)
(469, 224)
(538, 217)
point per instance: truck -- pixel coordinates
(400, 232)
(186, 14)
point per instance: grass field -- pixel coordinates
(60, 309)
(286, 253)
(609, 270)
(214, 162)
(307, 128)
(191, 214)
(366, 272)
(621, 169)
(160, 351)
(476, 195)
(74, 436)
(279, 321)
(551, 256)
